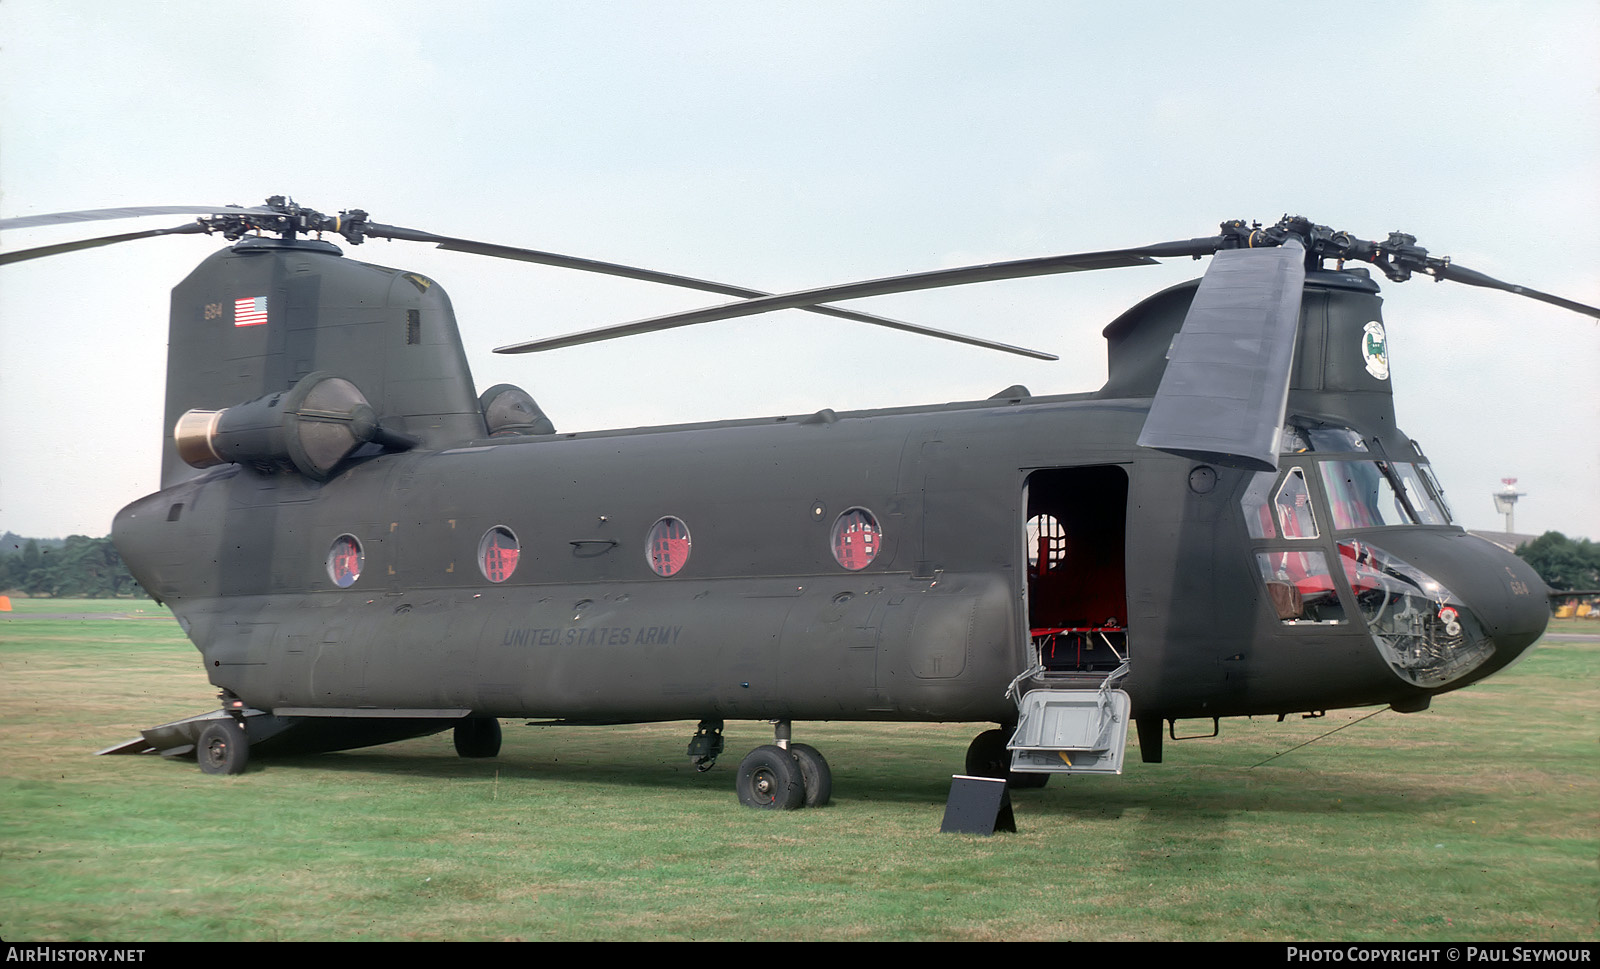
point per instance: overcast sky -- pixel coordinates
(786, 145)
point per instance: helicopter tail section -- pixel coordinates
(259, 318)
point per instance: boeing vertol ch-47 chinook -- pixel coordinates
(365, 548)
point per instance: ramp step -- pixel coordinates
(1071, 732)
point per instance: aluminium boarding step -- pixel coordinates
(1071, 732)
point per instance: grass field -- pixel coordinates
(1473, 821)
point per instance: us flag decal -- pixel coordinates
(250, 311)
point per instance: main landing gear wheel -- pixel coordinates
(223, 748)
(770, 778)
(987, 756)
(814, 774)
(478, 737)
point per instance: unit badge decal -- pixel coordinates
(1375, 350)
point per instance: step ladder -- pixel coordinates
(1071, 731)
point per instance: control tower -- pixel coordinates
(1505, 501)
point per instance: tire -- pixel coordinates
(224, 748)
(478, 737)
(769, 779)
(1029, 781)
(815, 776)
(987, 756)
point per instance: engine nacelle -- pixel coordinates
(311, 427)
(508, 409)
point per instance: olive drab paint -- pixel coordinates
(363, 548)
(762, 622)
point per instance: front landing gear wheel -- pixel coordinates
(223, 748)
(987, 756)
(769, 778)
(478, 737)
(814, 774)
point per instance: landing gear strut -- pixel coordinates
(783, 776)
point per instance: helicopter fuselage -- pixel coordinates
(364, 547)
(526, 577)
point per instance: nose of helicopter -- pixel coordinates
(1474, 579)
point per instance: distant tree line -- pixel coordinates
(77, 566)
(1562, 562)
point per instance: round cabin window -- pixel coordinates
(497, 554)
(344, 561)
(1047, 543)
(856, 539)
(668, 546)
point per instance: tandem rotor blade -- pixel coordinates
(960, 276)
(686, 282)
(22, 255)
(1460, 274)
(1226, 386)
(97, 215)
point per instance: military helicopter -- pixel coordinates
(364, 547)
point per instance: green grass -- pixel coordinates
(1473, 821)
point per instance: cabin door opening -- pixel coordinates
(1075, 554)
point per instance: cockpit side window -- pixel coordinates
(1438, 492)
(1360, 495)
(1429, 511)
(1293, 506)
(1300, 586)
